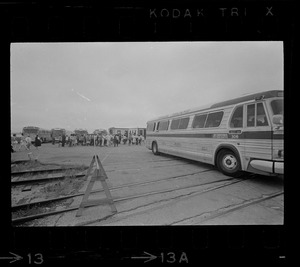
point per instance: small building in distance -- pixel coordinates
(127, 131)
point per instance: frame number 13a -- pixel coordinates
(171, 257)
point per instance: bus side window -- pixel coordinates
(183, 123)
(251, 115)
(163, 126)
(175, 124)
(237, 118)
(157, 126)
(199, 121)
(261, 118)
(214, 119)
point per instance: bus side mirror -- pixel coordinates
(277, 119)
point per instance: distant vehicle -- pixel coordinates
(80, 132)
(100, 131)
(242, 134)
(33, 131)
(56, 132)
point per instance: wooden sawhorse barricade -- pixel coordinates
(99, 174)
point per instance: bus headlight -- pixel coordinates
(278, 154)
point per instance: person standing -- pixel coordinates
(116, 140)
(129, 139)
(28, 142)
(100, 140)
(142, 139)
(111, 139)
(14, 142)
(92, 140)
(70, 141)
(136, 139)
(63, 140)
(59, 141)
(139, 139)
(37, 141)
(108, 140)
(23, 143)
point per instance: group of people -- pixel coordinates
(98, 140)
(24, 142)
(17, 143)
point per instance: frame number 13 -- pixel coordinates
(36, 258)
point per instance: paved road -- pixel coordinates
(166, 190)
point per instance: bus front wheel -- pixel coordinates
(155, 148)
(228, 163)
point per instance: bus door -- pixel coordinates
(236, 129)
(258, 134)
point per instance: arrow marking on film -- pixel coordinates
(149, 257)
(14, 258)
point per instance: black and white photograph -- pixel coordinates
(147, 133)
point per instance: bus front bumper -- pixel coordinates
(273, 167)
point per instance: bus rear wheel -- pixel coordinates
(229, 163)
(155, 148)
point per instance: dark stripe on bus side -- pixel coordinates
(243, 135)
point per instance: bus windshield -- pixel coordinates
(57, 133)
(30, 130)
(277, 107)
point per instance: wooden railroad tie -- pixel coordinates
(100, 175)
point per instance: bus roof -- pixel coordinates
(266, 94)
(245, 98)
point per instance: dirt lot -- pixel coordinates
(163, 190)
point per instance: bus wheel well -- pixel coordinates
(226, 147)
(154, 148)
(227, 159)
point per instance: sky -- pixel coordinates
(125, 84)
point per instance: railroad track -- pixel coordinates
(150, 161)
(15, 207)
(18, 180)
(228, 209)
(225, 182)
(45, 179)
(215, 214)
(40, 171)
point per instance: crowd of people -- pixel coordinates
(101, 140)
(24, 142)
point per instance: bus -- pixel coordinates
(80, 132)
(33, 131)
(57, 132)
(100, 131)
(241, 134)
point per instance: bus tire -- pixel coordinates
(155, 148)
(229, 163)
